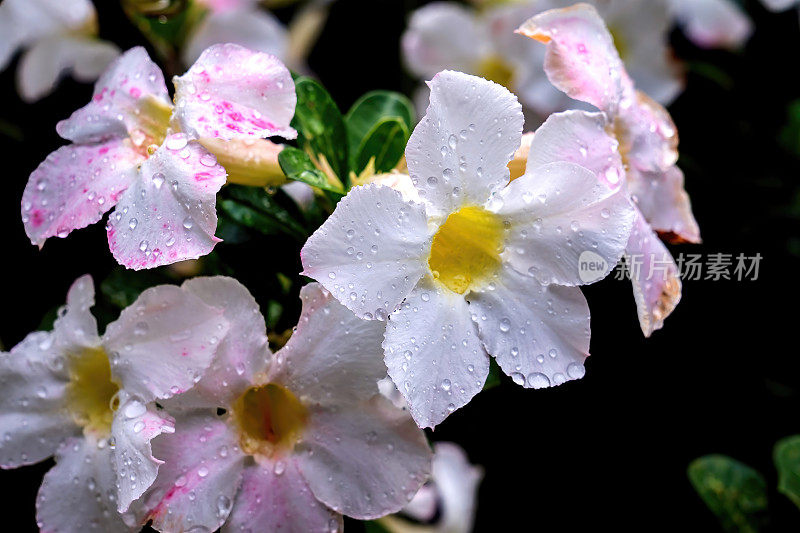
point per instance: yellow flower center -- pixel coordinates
(494, 68)
(466, 249)
(270, 419)
(620, 42)
(91, 392)
(152, 122)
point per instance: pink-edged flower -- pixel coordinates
(305, 436)
(58, 37)
(634, 143)
(88, 399)
(133, 149)
(446, 35)
(480, 266)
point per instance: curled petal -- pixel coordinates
(581, 58)
(78, 493)
(333, 357)
(556, 213)
(433, 353)
(459, 152)
(131, 84)
(370, 252)
(74, 186)
(169, 213)
(232, 92)
(538, 334)
(648, 137)
(134, 426)
(374, 450)
(665, 204)
(654, 275)
(163, 342)
(275, 497)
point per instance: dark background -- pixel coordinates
(608, 450)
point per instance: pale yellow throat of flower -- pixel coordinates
(270, 420)
(91, 393)
(465, 252)
(495, 69)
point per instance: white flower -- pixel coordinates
(481, 265)
(305, 436)
(58, 36)
(88, 399)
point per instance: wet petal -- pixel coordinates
(199, 479)
(163, 342)
(130, 82)
(75, 186)
(243, 354)
(714, 23)
(664, 203)
(654, 275)
(169, 213)
(333, 357)
(370, 252)
(48, 60)
(275, 497)
(364, 462)
(33, 382)
(232, 92)
(581, 59)
(647, 135)
(134, 426)
(579, 137)
(76, 328)
(538, 334)
(459, 151)
(433, 353)
(443, 35)
(556, 213)
(78, 493)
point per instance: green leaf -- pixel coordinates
(297, 165)
(320, 126)
(122, 286)
(373, 107)
(386, 142)
(736, 493)
(787, 461)
(255, 208)
(493, 379)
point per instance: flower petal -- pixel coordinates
(443, 35)
(168, 214)
(370, 252)
(557, 212)
(664, 203)
(277, 498)
(197, 483)
(242, 355)
(32, 419)
(538, 334)
(163, 342)
(714, 23)
(115, 108)
(433, 353)
(232, 92)
(459, 152)
(76, 328)
(255, 29)
(134, 426)
(654, 275)
(579, 137)
(647, 135)
(77, 494)
(74, 186)
(49, 59)
(581, 58)
(333, 357)
(364, 462)
(778, 5)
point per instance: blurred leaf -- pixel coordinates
(787, 461)
(789, 136)
(320, 126)
(122, 286)
(165, 23)
(494, 377)
(712, 73)
(49, 319)
(12, 131)
(297, 165)
(385, 142)
(736, 493)
(255, 208)
(371, 109)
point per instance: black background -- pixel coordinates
(608, 450)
